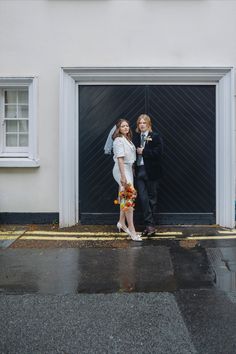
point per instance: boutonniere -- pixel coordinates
(148, 138)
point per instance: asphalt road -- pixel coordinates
(157, 297)
(189, 321)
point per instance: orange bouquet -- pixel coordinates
(127, 197)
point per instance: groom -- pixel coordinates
(148, 172)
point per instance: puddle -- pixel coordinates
(166, 265)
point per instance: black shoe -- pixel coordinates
(149, 231)
(145, 232)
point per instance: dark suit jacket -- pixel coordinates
(152, 154)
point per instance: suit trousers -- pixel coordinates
(147, 193)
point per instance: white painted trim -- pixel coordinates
(146, 75)
(33, 122)
(225, 152)
(68, 152)
(29, 158)
(12, 81)
(77, 154)
(225, 135)
(18, 162)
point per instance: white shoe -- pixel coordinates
(135, 237)
(124, 228)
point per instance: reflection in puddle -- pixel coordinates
(191, 265)
(126, 265)
(152, 267)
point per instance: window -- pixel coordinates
(18, 136)
(15, 121)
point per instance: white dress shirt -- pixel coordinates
(145, 137)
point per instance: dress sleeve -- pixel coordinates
(118, 148)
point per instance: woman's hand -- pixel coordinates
(123, 180)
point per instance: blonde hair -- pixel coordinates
(147, 119)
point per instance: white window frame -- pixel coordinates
(4, 150)
(17, 157)
(221, 77)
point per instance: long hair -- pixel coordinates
(147, 120)
(117, 131)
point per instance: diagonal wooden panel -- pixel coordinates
(100, 108)
(185, 115)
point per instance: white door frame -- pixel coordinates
(71, 78)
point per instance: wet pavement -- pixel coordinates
(120, 266)
(137, 268)
(165, 295)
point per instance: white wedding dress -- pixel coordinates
(124, 148)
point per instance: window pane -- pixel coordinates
(11, 126)
(23, 126)
(22, 111)
(10, 96)
(10, 111)
(23, 97)
(11, 140)
(23, 140)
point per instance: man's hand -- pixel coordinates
(140, 150)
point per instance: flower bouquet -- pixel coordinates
(126, 197)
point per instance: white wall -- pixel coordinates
(39, 37)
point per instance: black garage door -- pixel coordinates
(184, 115)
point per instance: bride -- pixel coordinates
(124, 157)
